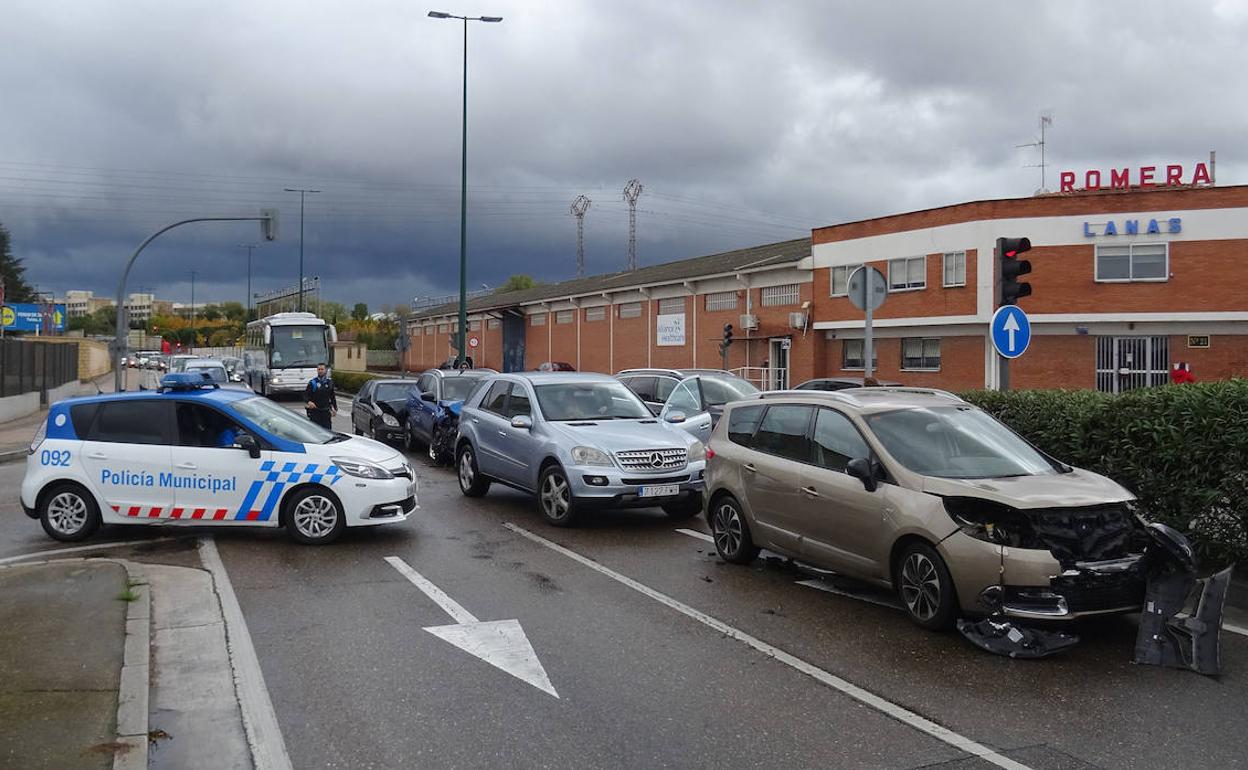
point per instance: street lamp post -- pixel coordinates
(303, 191)
(463, 181)
(250, 248)
(193, 335)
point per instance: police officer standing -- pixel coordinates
(321, 402)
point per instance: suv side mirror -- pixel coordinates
(427, 396)
(863, 469)
(248, 442)
(522, 421)
(675, 416)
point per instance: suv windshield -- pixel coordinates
(458, 387)
(282, 422)
(590, 401)
(956, 442)
(720, 390)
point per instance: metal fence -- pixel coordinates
(27, 367)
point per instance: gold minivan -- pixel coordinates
(919, 491)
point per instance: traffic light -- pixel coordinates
(723, 346)
(1009, 267)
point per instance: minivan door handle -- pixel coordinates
(809, 491)
(187, 466)
(749, 467)
(97, 456)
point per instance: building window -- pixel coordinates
(442, 328)
(920, 353)
(596, 313)
(671, 305)
(1134, 262)
(537, 319)
(840, 279)
(907, 273)
(774, 296)
(955, 268)
(721, 300)
(492, 323)
(563, 317)
(429, 330)
(851, 355)
(415, 331)
(474, 326)
(630, 310)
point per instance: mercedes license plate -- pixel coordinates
(660, 490)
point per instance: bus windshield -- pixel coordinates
(301, 346)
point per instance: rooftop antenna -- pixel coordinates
(632, 191)
(579, 207)
(1046, 120)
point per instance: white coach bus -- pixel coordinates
(282, 351)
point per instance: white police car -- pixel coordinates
(195, 454)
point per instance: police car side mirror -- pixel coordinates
(247, 442)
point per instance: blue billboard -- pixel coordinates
(17, 317)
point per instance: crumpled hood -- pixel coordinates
(452, 406)
(397, 407)
(622, 435)
(1055, 490)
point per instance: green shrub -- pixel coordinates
(1181, 449)
(350, 382)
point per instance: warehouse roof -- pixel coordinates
(727, 262)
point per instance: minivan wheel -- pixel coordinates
(554, 496)
(925, 587)
(731, 533)
(68, 513)
(314, 517)
(471, 482)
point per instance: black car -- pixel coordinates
(380, 409)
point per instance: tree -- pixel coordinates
(334, 312)
(210, 313)
(11, 273)
(517, 282)
(360, 311)
(234, 311)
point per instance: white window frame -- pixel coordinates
(671, 305)
(415, 331)
(1096, 263)
(493, 323)
(780, 296)
(944, 268)
(849, 270)
(443, 328)
(596, 313)
(906, 285)
(923, 366)
(721, 300)
(537, 319)
(630, 310)
(861, 343)
(564, 316)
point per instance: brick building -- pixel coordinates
(1125, 284)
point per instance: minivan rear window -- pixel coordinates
(132, 422)
(742, 422)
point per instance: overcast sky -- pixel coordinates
(746, 122)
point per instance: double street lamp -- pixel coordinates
(463, 198)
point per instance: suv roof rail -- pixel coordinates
(915, 390)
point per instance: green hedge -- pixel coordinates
(1182, 449)
(350, 382)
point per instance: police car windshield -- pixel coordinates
(282, 423)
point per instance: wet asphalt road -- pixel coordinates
(356, 681)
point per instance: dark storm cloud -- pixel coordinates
(747, 122)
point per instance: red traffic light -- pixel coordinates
(1012, 247)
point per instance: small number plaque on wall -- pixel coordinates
(1198, 341)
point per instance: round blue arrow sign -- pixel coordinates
(1011, 331)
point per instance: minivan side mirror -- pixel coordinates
(522, 421)
(863, 469)
(248, 442)
(675, 416)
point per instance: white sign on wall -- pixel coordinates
(670, 329)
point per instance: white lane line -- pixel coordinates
(1235, 629)
(264, 735)
(900, 713)
(81, 548)
(697, 534)
(452, 608)
(829, 588)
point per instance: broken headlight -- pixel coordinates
(992, 522)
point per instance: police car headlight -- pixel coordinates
(388, 419)
(587, 455)
(697, 452)
(362, 469)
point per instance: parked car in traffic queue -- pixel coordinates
(921, 492)
(698, 400)
(379, 410)
(655, 385)
(433, 409)
(578, 442)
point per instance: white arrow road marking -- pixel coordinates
(1010, 326)
(501, 643)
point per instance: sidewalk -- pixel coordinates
(62, 640)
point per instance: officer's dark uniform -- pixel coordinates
(321, 393)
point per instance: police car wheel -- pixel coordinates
(69, 513)
(471, 482)
(314, 517)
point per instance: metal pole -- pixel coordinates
(463, 217)
(193, 336)
(868, 341)
(302, 194)
(1003, 372)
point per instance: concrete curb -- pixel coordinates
(134, 692)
